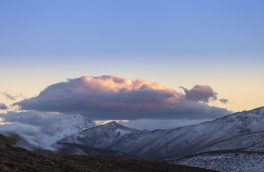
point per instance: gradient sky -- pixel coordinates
(173, 42)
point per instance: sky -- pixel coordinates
(176, 43)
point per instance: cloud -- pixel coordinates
(224, 101)
(202, 93)
(3, 106)
(8, 96)
(110, 97)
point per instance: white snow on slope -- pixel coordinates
(246, 142)
(227, 161)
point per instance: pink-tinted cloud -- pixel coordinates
(110, 97)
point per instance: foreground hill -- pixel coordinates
(18, 159)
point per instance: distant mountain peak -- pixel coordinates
(113, 125)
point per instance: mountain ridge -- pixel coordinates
(182, 141)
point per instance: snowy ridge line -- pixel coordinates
(234, 137)
(113, 123)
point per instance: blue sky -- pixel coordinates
(172, 42)
(120, 28)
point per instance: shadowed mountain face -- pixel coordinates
(17, 159)
(75, 149)
(169, 143)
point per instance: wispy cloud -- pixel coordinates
(224, 101)
(8, 96)
(110, 97)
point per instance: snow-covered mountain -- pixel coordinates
(226, 144)
(103, 136)
(40, 129)
(171, 143)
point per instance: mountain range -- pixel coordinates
(169, 143)
(230, 143)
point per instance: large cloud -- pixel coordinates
(110, 97)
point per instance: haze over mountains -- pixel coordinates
(42, 129)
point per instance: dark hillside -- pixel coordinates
(14, 159)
